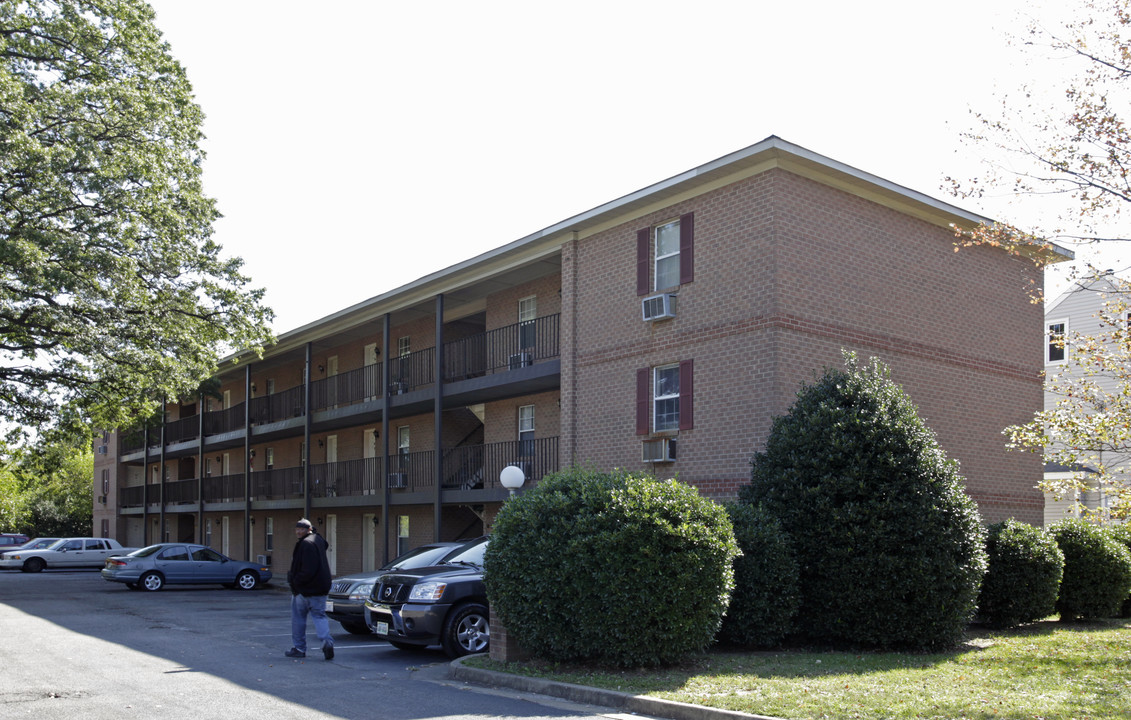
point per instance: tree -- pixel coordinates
(890, 547)
(1069, 146)
(112, 292)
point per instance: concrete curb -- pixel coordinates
(639, 704)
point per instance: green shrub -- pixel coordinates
(615, 568)
(1097, 571)
(890, 547)
(1122, 533)
(1023, 579)
(766, 595)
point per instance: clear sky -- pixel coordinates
(354, 146)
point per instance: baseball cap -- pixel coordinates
(304, 523)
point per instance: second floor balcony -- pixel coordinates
(470, 469)
(490, 353)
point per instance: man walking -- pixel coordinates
(309, 579)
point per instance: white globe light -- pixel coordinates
(512, 477)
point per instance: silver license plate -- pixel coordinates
(382, 628)
(329, 606)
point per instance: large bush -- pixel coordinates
(766, 595)
(1122, 533)
(1097, 571)
(615, 568)
(891, 549)
(1023, 579)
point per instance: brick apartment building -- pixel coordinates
(661, 331)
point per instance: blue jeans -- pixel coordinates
(301, 606)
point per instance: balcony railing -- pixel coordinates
(278, 406)
(184, 429)
(360, 385)
(468, 467)
(218, 422)
(348, 477)
(412, 372)
(506, 348)
(223, 488)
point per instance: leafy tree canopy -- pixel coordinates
(1064, 142)
(112, 292)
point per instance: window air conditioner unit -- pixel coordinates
(262, 560)
(398, 387)
(660, 450)
(658, 307)
(398, 480)
(521, 360)
(102, 449)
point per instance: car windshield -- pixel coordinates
(57, 544)
(420, 557)
(469, 554)
(145, 551)
(40, 543)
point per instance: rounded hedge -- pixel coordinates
(616, 568)
(1023, 579)
(766, 595)
(891, 549)
(1097, 571)
(1122, 533)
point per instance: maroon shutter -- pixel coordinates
(643, 261)
(686, 248)
(686, 395)
(643, 400)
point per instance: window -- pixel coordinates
(269, 534)
(105, 482)
(402, 439)
(404, 346)
(526, 430)
(1056, 335)
(208, 532)
(664, 398)
(207, 467)
(402, 534)
(269, 457)
(527, 312)
(665, 256)
(174, 553)
(270, 386)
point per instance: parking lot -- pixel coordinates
(76, 645)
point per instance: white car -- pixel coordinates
(64, 553)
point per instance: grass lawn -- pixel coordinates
(1046, 671)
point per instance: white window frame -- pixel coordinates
(657, 257)
(404, 346)
(1049, 324)
(404, 439)
(269, 458)
(269, 534)
(525, 424)
(659, 397)
(527, 314)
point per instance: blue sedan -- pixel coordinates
(153, 567)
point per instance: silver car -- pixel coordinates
(156, 566)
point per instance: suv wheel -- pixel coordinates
(466, 631)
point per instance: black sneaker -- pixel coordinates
(328, 651)
(295, 653)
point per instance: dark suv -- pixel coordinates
(443, 604)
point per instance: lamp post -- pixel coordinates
(512, 477)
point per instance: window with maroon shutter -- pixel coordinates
(686, 248)
(665, 398)
(686, 395)
(665, 255)
(643, 261)
(643, 401)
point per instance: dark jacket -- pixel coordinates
(310, 572)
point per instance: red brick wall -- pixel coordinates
(787, 273)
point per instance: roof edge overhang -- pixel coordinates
(772, 152)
